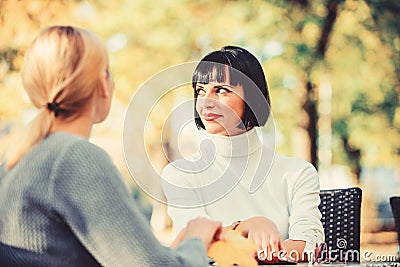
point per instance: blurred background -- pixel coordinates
(333, 70)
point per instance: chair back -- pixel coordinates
(341, 209)
(395, 205)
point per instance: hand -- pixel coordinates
(265, 235)
(207, 230)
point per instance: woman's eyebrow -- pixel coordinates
(216, 86)
(223, 85)
(228, 86)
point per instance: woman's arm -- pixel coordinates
(183, 202)
(305, 217)
(264, 233)
(208, 230)
(267, 238)
(90, 197)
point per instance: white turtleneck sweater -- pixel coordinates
(235, 178)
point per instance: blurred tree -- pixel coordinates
(387, 26)
(301, 43)
(310, 105)
(360, 68)
(370, 78)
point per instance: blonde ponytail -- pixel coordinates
(35, 131)
(61, 71)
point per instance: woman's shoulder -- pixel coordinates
(185, 171)
(73, 148)
(78, 158)
(175, 169)
(291, 163)
(189, 163)
(75, 143)
(295, 171)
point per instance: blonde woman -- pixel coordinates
(62, 201)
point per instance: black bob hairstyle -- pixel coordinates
(245, 70)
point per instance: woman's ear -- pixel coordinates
(104, 90)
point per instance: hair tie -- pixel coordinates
(54, 107)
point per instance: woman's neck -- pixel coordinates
(236, 131)
(81, 126)
(238, 145)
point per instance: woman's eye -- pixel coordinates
(222, 90)
(200, 91)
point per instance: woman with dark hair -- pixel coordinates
(245, 70)
(280, 212)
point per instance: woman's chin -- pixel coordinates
(215, 129)
(223, 131)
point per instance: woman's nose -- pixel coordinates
(209, 100)
(206, 102)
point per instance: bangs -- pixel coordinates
(213, 69)
(207, 72)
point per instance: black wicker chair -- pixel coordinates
(395, 204)
(340, 210)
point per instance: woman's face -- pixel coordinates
(220, 106)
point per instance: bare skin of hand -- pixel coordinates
(294, 248)
(267, 237)
(264, 233)
(205, 229)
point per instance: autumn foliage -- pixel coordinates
(233, 249)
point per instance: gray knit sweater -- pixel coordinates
(64, 204)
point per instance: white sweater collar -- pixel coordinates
(237, 146)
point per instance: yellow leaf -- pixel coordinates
(234, 249)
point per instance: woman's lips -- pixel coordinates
(211, 116)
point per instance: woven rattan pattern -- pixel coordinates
(340, 210)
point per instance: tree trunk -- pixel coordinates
(310, 102)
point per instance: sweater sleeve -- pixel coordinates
(2, 170)
(91, 198)
(183, 201)
(305, 217)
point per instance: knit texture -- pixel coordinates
(64, 204)
(287, 193)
